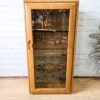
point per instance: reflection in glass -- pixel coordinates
(50, 33)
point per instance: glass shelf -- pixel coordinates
(49, 30)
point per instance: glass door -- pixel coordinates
(50, 39)
(50, 29)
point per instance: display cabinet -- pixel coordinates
(50, 39)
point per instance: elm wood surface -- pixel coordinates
(72, 1)
(73, 10)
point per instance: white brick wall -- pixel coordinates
(12, 38)
(89, 21)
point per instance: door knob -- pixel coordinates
(30, 44)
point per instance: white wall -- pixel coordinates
(89, 21)
(12, 38)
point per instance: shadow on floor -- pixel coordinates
(83, 84)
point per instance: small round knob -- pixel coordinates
(30, 45)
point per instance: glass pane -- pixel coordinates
(50, 34)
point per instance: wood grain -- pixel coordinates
(70, 51)
(71, 1)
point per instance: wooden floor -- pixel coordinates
(17, 89)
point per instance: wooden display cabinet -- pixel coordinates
(50, 32)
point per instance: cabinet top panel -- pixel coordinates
(32, 1)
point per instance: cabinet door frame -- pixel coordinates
(70, 49)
